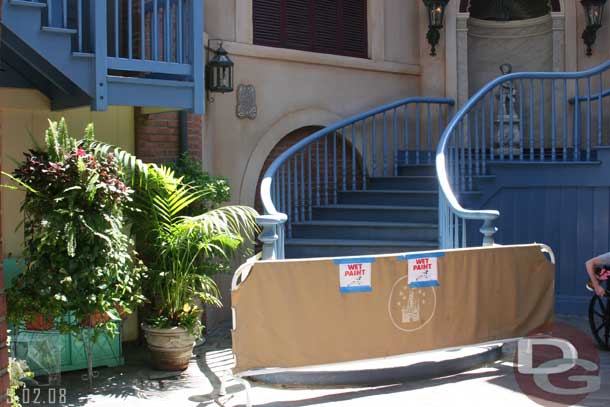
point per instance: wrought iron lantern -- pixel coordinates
(594, 14)
(220, 72)
(436, 19)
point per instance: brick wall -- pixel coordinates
(158, 136)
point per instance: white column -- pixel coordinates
(376, 29)
(462, 57)
(559, 42)
(243, 22)
(571, 34)
(451, 51)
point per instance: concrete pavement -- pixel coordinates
(136, 385)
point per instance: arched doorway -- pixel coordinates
(335, 152)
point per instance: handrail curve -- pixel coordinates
(286, 176)
(521, 98)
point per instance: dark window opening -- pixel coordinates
(505, 10)
(327, 26)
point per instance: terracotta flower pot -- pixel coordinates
(95, 319)
(170, 348)
(39, 323)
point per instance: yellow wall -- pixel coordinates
(24, 115)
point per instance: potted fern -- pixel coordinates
(182, 253)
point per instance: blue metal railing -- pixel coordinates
(517, 118)
(134, 37)
(341, 157)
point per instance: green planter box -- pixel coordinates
(49, 352)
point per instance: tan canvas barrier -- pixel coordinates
(293, 314)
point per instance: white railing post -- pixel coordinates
(272, 236)
(488, 230)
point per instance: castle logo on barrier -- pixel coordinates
(410, 309)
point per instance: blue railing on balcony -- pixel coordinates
(341, 157)
(157, 39)
(522, 118)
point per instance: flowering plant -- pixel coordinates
(80, 265)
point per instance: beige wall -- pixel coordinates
(401, 31)
(568, 49)
(220, 18)
(25, 115)
(527, 45)
(296, 89)
(601, 49)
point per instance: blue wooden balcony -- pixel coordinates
(111, 52)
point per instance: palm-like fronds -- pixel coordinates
(136, 170)
(230, 220)
(179, 250)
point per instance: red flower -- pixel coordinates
(80, 152)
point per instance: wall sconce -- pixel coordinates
(219, 71)
(436, 19)
(594, 14)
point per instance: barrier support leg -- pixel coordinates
(247, 388)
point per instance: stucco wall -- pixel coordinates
(295, 89)
(401, 33)
(601, 49)
(302, 95)
(525, 44)
(220, 18)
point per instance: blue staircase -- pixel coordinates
(534, 145)
(98, 53)
(365, 185)
(394, 214)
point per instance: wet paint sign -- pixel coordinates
(355, 275)
(422, 270)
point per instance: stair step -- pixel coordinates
(48, 54)
(59, 30)
(392, 231)
(83, 54)
(543, 163)
(309, 248)
(389, 197)
(25, 3)
(376, 213)
(409, 182)
(416, 169)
